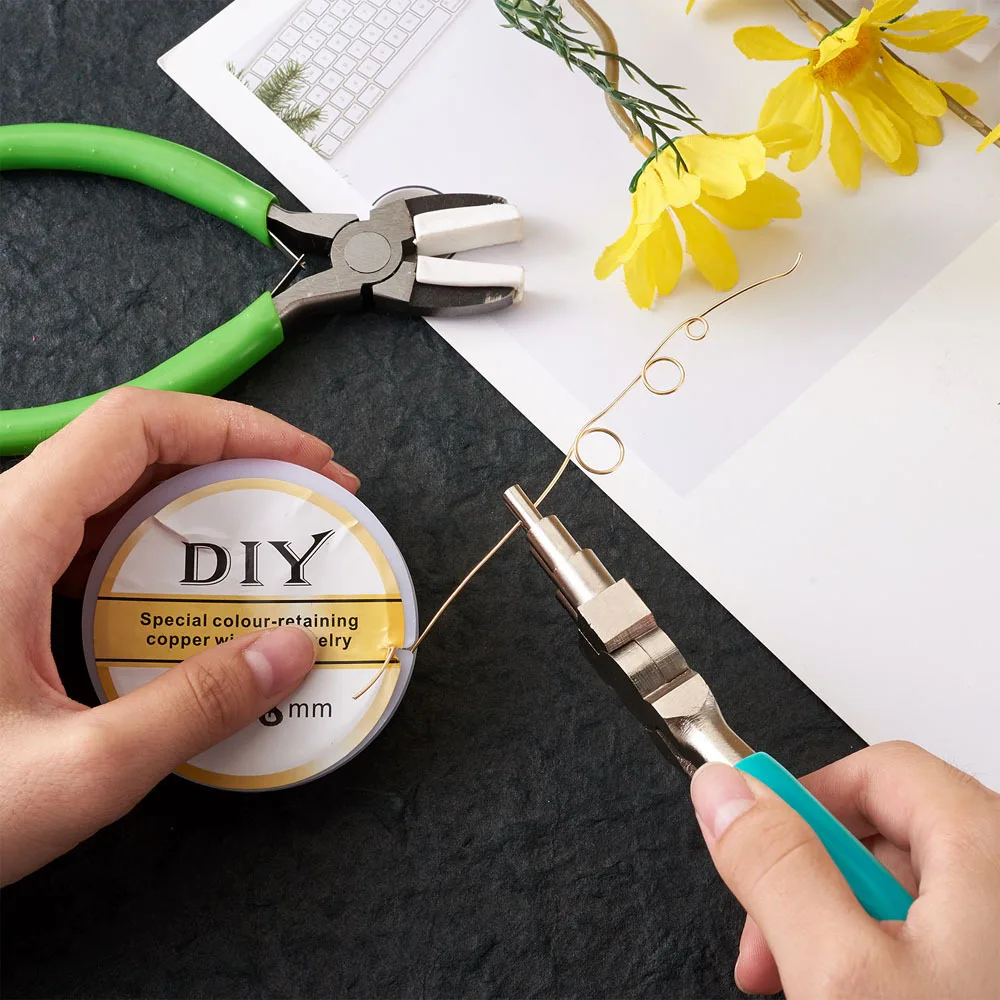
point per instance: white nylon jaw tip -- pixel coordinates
(470, 274)
(452, 230)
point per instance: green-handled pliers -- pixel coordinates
(397, 259)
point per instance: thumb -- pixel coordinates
(200, 702)
(777, 868)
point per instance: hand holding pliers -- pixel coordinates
(641, 663)
(395, 260)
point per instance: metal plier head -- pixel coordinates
(398, 258)
(630, 652)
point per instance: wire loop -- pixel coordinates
(704, 328)
(584, 464)
(695, 328)
(651, 364)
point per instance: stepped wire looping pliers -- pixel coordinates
(641, 663)
(397, 259)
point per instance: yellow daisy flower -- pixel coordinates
(726, 177)
(895, 107)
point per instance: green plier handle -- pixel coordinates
(219, 357)
(392, 260)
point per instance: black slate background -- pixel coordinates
(512, 833)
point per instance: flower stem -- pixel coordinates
(818, 30)
(611, 70)
(610, 45)
(959, 110)
(542, 22)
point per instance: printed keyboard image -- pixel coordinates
(327, 67)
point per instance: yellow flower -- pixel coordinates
(895, 107)
(726, 177)
(994, 136)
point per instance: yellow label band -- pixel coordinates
(164, 629)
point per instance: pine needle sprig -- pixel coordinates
(543, 22)
(279, 93)
(281, 88)
(300, 119)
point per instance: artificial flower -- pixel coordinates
(994, 136)
(895, 107)
(724, 176)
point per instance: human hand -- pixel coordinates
(934, 827)
(66, 770)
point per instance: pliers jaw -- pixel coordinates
(629, 651)
(399, 258)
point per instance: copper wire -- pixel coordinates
(695, 328)
(381, 671)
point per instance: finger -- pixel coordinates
(896, 860)
(92, 461)
(756, 970)
(198, 703)
(776, 867)
(905, 793)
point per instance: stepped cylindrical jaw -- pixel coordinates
(577, 572)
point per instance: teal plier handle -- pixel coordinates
(219, 357)
(874, 885)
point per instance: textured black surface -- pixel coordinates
(512, 833)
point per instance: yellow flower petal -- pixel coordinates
(845, 146)
(840, 40)
(666, 256)
(786, 101)
(709, 249)
(618, 252)
(931, 20)
(648, 200)
(876, 129)
(940, 41)
(906, 162)
(925, 129)
(664, 185)
(886, 10)
(800, 158)
(781, 137)
(639, 282)
(650, 257)
(723, 164)
(921, 93)
(768, 43)
(961, 93)
(767, 198)
(994, 136)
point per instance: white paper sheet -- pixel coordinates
(830, 468)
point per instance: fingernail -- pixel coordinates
(281, 658)
(341, 475)
(720, 794)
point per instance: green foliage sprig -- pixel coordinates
(543, 22)
(279, 93)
